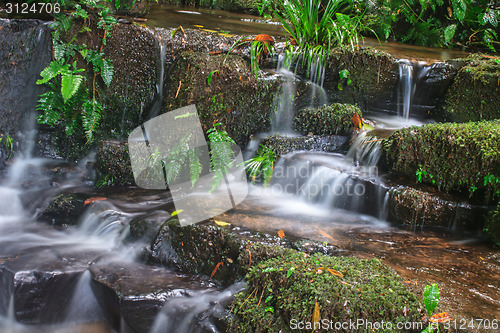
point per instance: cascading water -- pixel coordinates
(406, 88)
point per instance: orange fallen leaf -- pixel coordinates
(220, 263)
(281, 233)
(316, 314)
(334, 272)
(440, 318)
(322, 233)
(94, 199)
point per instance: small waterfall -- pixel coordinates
(195, 312)
(155, 108)
(84, 307)
(406, 88)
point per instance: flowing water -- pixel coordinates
(58, 279)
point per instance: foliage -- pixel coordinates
(257, 48)
(301, 287)
(261, 165)
(431, 298)
(327, 120)
(8, 144)
(221, 154)
(463, 23)
(457, 156)
(492, 226)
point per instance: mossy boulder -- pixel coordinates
(492, 226)
(282, 145)
(373, 74)
(232, 96)
(327, 120)
(475, 92)
(449, 156)
(285, 290)
(426, 207)
(65, 209)
(113, 164)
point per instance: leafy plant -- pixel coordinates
(257, 48)
(344, 75)
(221, 154)
(261, 165)
(8, 144)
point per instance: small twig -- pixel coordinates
(249, 296)
(261, 294)
(373, 141)
(249, 258)
(178, 89)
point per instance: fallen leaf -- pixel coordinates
(197, 26)
(94, 199)
(220, 263)
(334, 272)
(325, 234)
(221, 223)
(440, 318)
(177, 212)
(281, 233)
(316, 314)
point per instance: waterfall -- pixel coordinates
(195, 312)
(155, 108)
(406, 88)
(84, 306)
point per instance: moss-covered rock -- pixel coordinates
(327, 120)
(234, 97)
(285, 290)
(374, 76)
(113, 164)
(475, 91)
(282, 145)
(65, 209)
(492, 226)
(449, 156)
(428, 208)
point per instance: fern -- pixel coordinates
(69, 85)
(221, 154)
(195, 166)
(107, 72)
(91, 117)
(261, 165)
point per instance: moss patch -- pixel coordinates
(282, 145)
(286, 288)
(492, 227)
(113, 164)
(373, 74)
(327, 120)
(475, 91)
(449, 156)
(234, 97)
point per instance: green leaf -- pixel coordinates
(431, 298)
(269, 309)
(290, 272)
(459, 9)
(195, 166)
(449, 32)
(209, 79)
(107, 71)
(55, 68)
(69, 85)
(174, 213)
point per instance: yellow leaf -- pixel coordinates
(315, 318)
(198, 26)
(177, 212)
(209, 30)
(334, 272)
(221, 223)
(281, 233)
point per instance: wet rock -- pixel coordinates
(113, 164)
(283, 145)
(374, 76)
(492, 226)
(24, 53)
(475, 92)
(131, 8)
(344, 288)
(312, 247)
(449, 156)
(418, 208)
(197, 249)
(234, 98)
(327, 120)
(65, 209)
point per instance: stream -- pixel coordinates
(57, 278)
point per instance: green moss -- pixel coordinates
(448, 156)
(327, 120)
(235, 98)
(492, 226)
(286, 288)
(113, 164)
(475, 92)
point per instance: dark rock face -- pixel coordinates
(235, 98)
(65, 209)
(374, 76)
(417, 208)
(24, 53)
(475, 92)
(113, 163)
